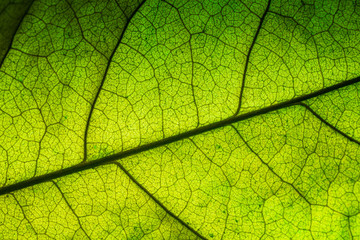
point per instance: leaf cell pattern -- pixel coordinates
(174, 119)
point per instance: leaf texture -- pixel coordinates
(178, 119)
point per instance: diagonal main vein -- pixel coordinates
(117, 156)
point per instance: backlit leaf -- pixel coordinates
(172, 119)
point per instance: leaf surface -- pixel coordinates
(179, 120)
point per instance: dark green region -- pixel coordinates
(11, 16)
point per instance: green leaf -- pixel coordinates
(179, 119)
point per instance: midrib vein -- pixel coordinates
(108, 159)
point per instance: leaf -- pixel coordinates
(11, 13)
(179, 119)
